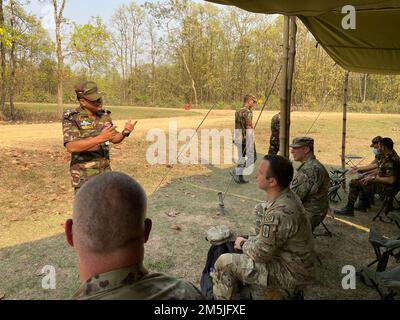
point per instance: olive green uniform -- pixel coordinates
(387, 167)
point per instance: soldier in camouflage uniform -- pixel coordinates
(311, 182)
(275, 132)
(88, 131)
(364, 204)
(108, 231)
(278, 262)
(381, 181)
(244, 138)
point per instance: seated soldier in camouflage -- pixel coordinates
(364, 201)
(279, 262)
(381, 181)
(311, 182)
(108, 231)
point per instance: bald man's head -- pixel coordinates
(109, 213)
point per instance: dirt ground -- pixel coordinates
(36, 199)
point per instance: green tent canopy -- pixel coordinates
(373, 47)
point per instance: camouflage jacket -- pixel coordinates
(275, 132)
(284, 242)
(77, 125)
(311, 184)
(135, 283)
(243, 116)
(389, 166)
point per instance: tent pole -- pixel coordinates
(284, 81)
(291, 66)
(345, 99)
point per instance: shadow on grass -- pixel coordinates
(194, 203)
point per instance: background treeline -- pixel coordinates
(175, 52)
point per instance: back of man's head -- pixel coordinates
(281, 169)
(387, 143)
(109, 213)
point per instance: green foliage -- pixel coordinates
(89, 44)
(168, 53)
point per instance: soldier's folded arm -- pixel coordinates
(385, 180)
(83, 145)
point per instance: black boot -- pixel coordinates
(242, 180)
(362, 205)
(346, 211)
(238, 178)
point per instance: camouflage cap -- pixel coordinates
(88, 90)
(219, 235)
(250, 96)
(302, 142)
(376, 140)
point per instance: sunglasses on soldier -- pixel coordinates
(97, 102)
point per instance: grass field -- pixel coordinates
(34, 112)
(36, 199)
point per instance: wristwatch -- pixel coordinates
(125, 133)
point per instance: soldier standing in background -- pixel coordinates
(244, 138)
(275, 132)
(88, 131)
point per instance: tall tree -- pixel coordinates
(89, 44)
(3, 59)
(58, 17)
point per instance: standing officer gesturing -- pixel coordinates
(88, 131)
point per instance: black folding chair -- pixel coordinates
(337, 180)
(388, 281)
(390, 202)
(395, 217)
(327, 232)
(383, 248)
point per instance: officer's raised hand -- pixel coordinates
(129, 127)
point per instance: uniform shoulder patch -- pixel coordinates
(269, 219)
(69, 113)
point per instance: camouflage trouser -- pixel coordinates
(357, 189)
(233, 270)
(274, 146)
(242, 154)
(81, 173)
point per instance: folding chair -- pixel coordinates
(395, 217)
(337, 180)
(383, 248)
(389, 203)
(389, 280)
(327, 232)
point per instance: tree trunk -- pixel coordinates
(3, 65)
(58, 16)
(12, 63)
(190, 75)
